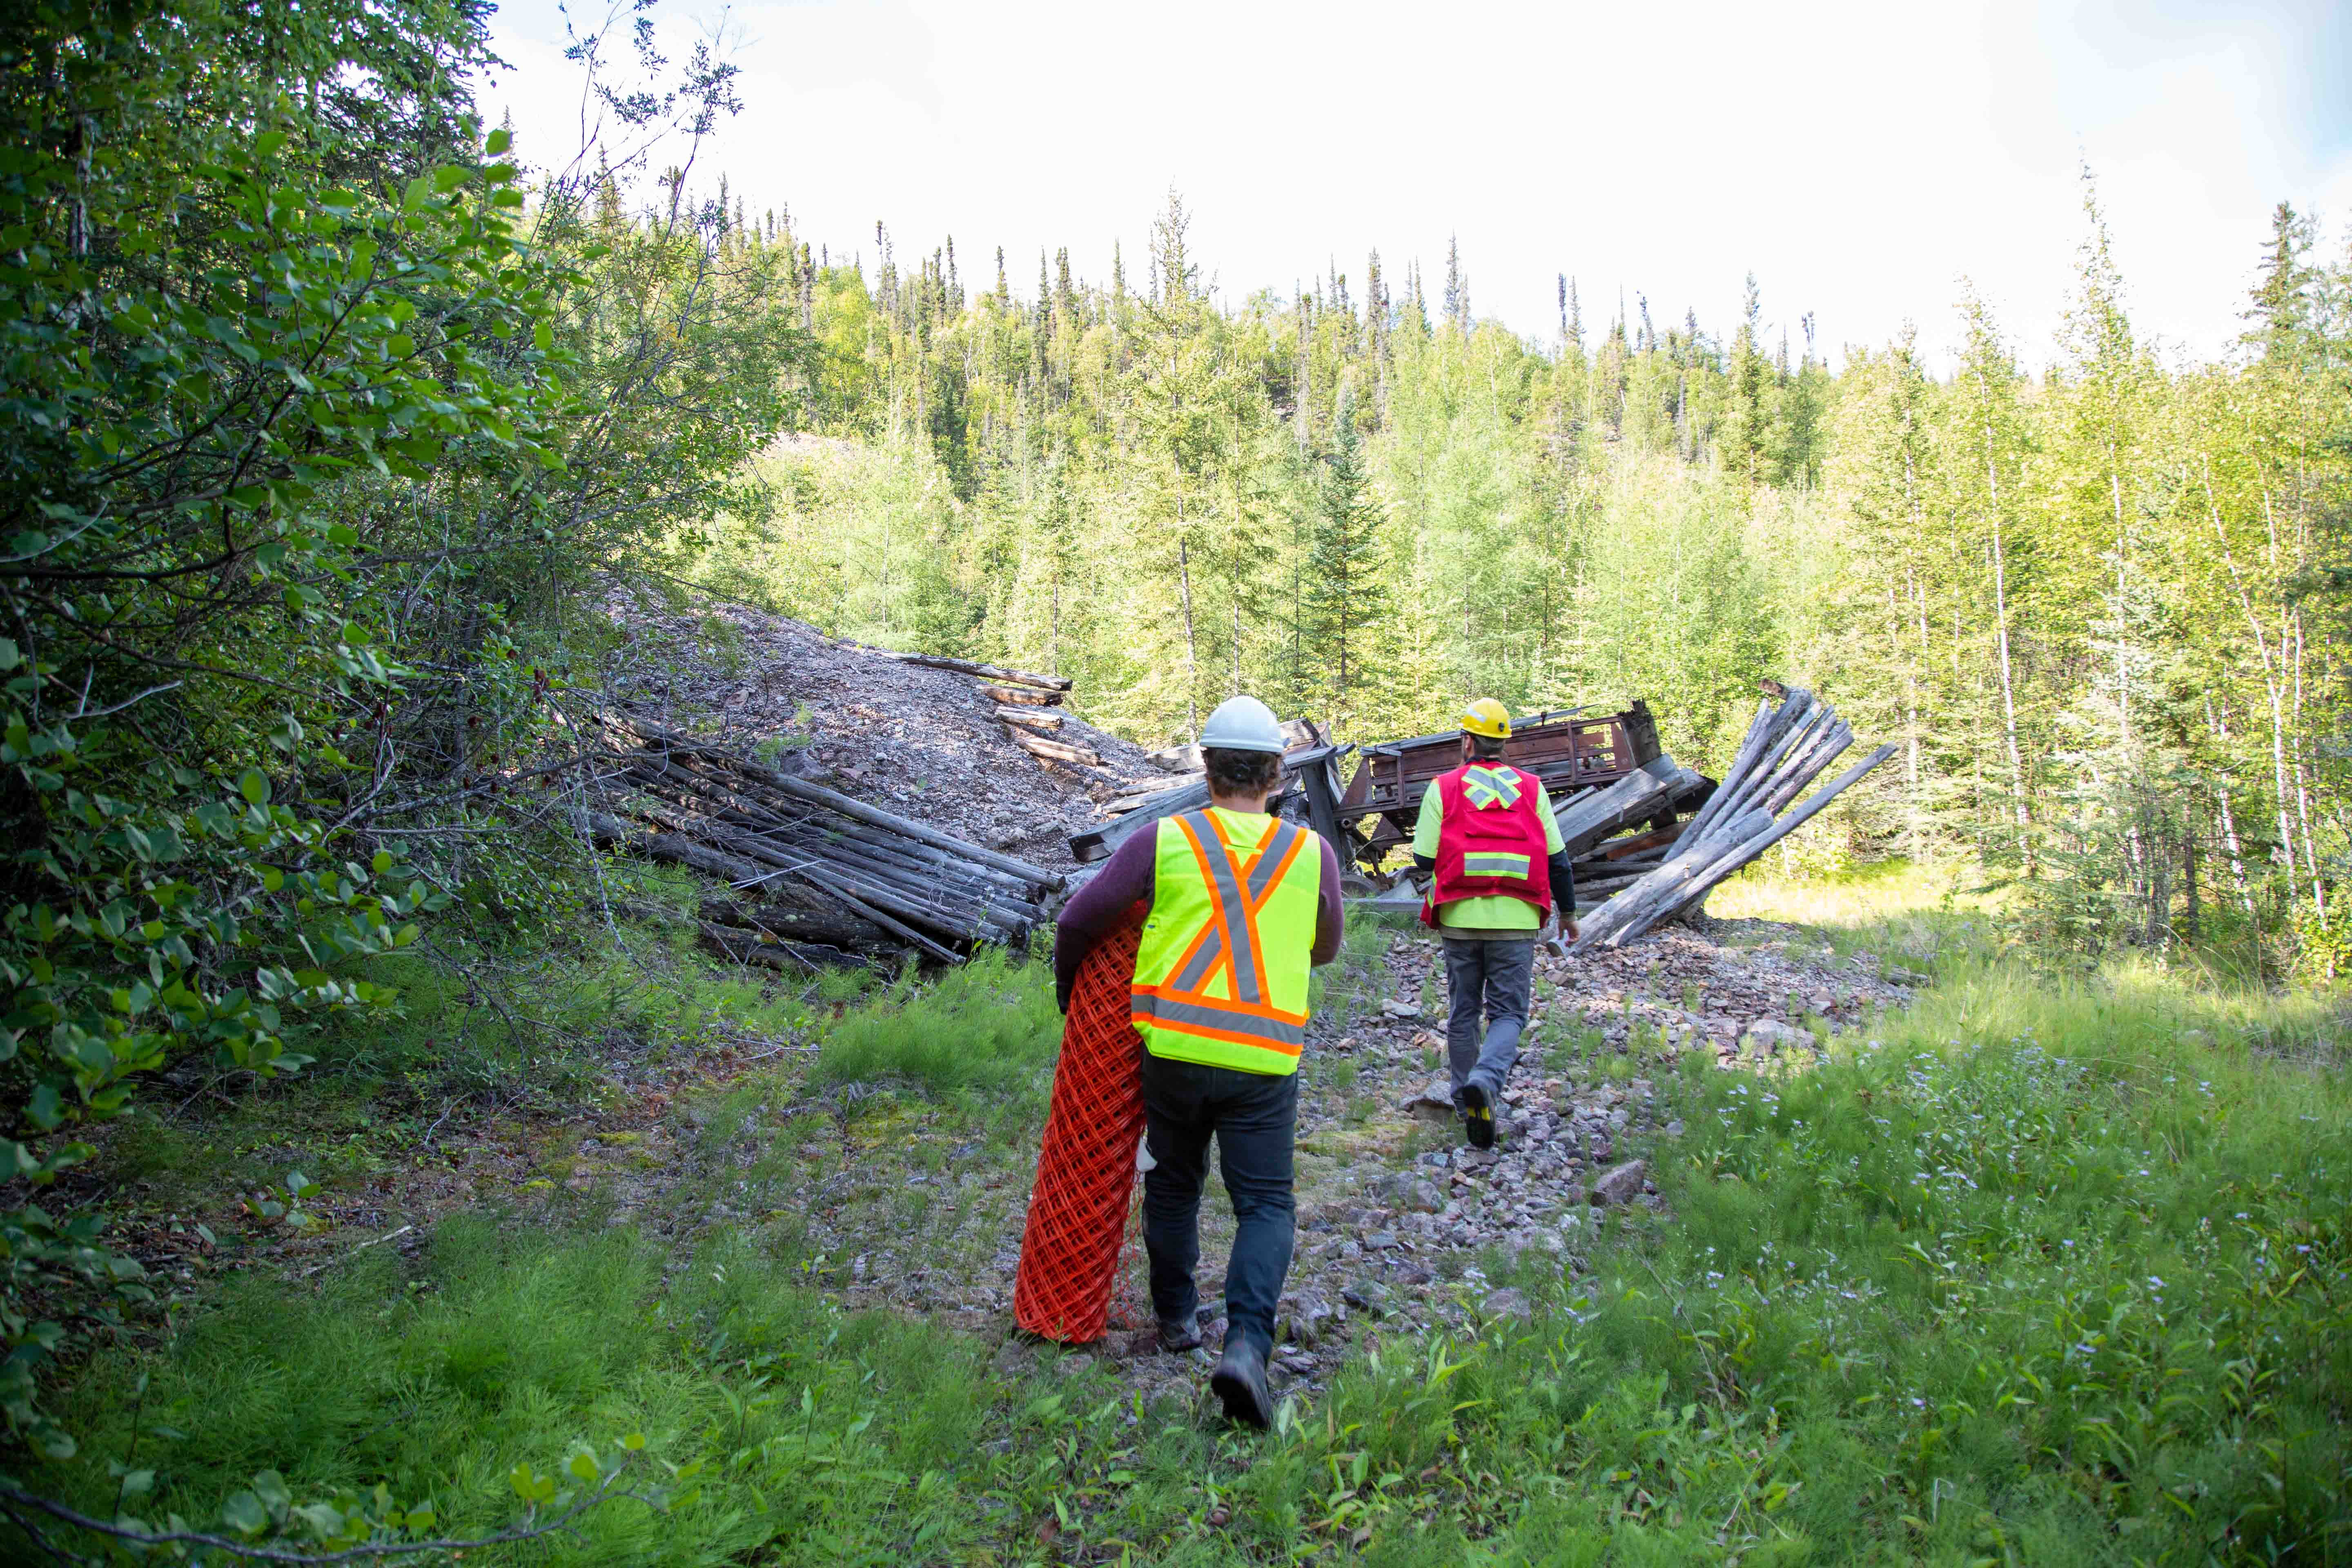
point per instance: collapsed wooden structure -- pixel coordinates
(1647, 837)
(814, 877)
(1790, 743)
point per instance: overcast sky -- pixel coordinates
(1859, 159)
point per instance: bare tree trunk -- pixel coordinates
(2303, 788)
(2123, 637)
(2008, 680)
(2237, 855)
(2272, 675)
(2188, 876)
(1191, 645)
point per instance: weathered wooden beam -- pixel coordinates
(1022, 696)
(1030, 718)
(1589, 818)
(987, 671)
(1052, 750)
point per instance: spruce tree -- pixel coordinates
(2281, 309)
(1345, 600)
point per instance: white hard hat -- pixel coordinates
(1243, 724)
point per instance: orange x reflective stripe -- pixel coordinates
(1175, 995)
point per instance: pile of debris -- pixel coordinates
(920, 740)
(1024, 705)
(1787, 746)
(828, 879)
(1648, 837)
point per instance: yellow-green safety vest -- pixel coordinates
(1221, 975)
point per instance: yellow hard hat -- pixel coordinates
(1489, 718)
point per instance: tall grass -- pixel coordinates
(989, 1025)
(2051, 1269)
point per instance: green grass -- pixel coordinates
(990, 1025)
(2053, 1271)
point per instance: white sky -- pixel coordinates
(1858, 158)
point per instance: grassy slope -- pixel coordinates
(2054, 1271)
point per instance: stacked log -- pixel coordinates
(1022, 701)
(1037, 719)
(1020, 696)
(823, 872)
(1054, 751)
(1787, 746)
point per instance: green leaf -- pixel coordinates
(542, 335)
(327, 1522)
(244, 1514)
(500, 141)
(254, 785)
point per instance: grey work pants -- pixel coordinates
(1490, 985)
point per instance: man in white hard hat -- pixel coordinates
(1242, 904)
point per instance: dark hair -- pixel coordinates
(1486, 748)
(1240, 772)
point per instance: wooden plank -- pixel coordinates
(1589, 818)
(1665, 885)
(1052, 750)
(1030, 718)
(1024, 696)
(1788, 824)
(986, 671)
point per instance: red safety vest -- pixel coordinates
(1490, 838)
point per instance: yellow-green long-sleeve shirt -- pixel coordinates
(1495, 912)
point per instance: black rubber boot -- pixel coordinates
(1477, 1117)
(1240, 1381)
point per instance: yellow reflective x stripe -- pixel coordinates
(1493, 863)
(1486, 787)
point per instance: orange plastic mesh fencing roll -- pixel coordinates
(1077, 1214)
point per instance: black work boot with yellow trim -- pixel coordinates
(1477, 1115)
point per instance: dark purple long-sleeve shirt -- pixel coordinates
(1099, 909)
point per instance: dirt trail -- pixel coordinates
(1396, 1214)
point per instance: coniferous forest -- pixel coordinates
(2096, 605)
(394, 1168)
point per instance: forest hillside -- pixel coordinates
(2095, 604)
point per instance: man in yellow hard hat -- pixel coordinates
(1242, 904)
(1487, 836)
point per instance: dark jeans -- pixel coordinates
(1494, 979)
(1253, 1116)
